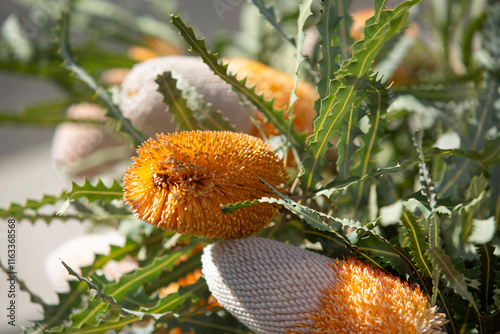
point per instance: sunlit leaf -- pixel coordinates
(453, 278)
(345, 94)
(275, 117)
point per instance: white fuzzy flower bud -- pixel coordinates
(269, 286)
(140, 101)
(277, 288)
(77, 149)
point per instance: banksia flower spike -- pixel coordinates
(179, 182)
(277, 288)
(140, 101)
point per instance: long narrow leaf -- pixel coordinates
(275, 117)
(270, 15)
(332, 14)
(489, 273)
(92, 193)
(369, 243)
(70, 63)
(417, 243)
(344, 91)
(176, 103)
(128, 283)
(454, 279)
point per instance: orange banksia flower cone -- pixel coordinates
(276, 288)
(180, 181)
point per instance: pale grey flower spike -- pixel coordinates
(140, 101)
(273, 288)
(269, 286)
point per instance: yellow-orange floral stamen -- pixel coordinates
(180, 181)
(275, 288)
(366, 300)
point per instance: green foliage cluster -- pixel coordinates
(373, 180)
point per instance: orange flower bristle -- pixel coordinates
(367, 300)
(179, 182)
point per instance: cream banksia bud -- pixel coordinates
(77, 149)
(272, 287)
(140, 101)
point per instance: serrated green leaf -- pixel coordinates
(176, 103)
(269, 14)
(489, 273)
(16, 210)
(92, 193)
(338, 185)
(371, 242)
(345, 89)
(275, 117)
(127, 283)
(125, 126)
(377, 104)
(454, 279)
(208, 118)
(91, 285)
(332, 35)
(418, 243)
(430, 192)
(236, 206)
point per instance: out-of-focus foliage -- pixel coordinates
(402, 169)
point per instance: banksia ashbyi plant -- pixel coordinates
(277, 288)
(349, 163)
(180, 182)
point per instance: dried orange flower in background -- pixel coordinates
(278, 85)
(180, 181)
(276, 288)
